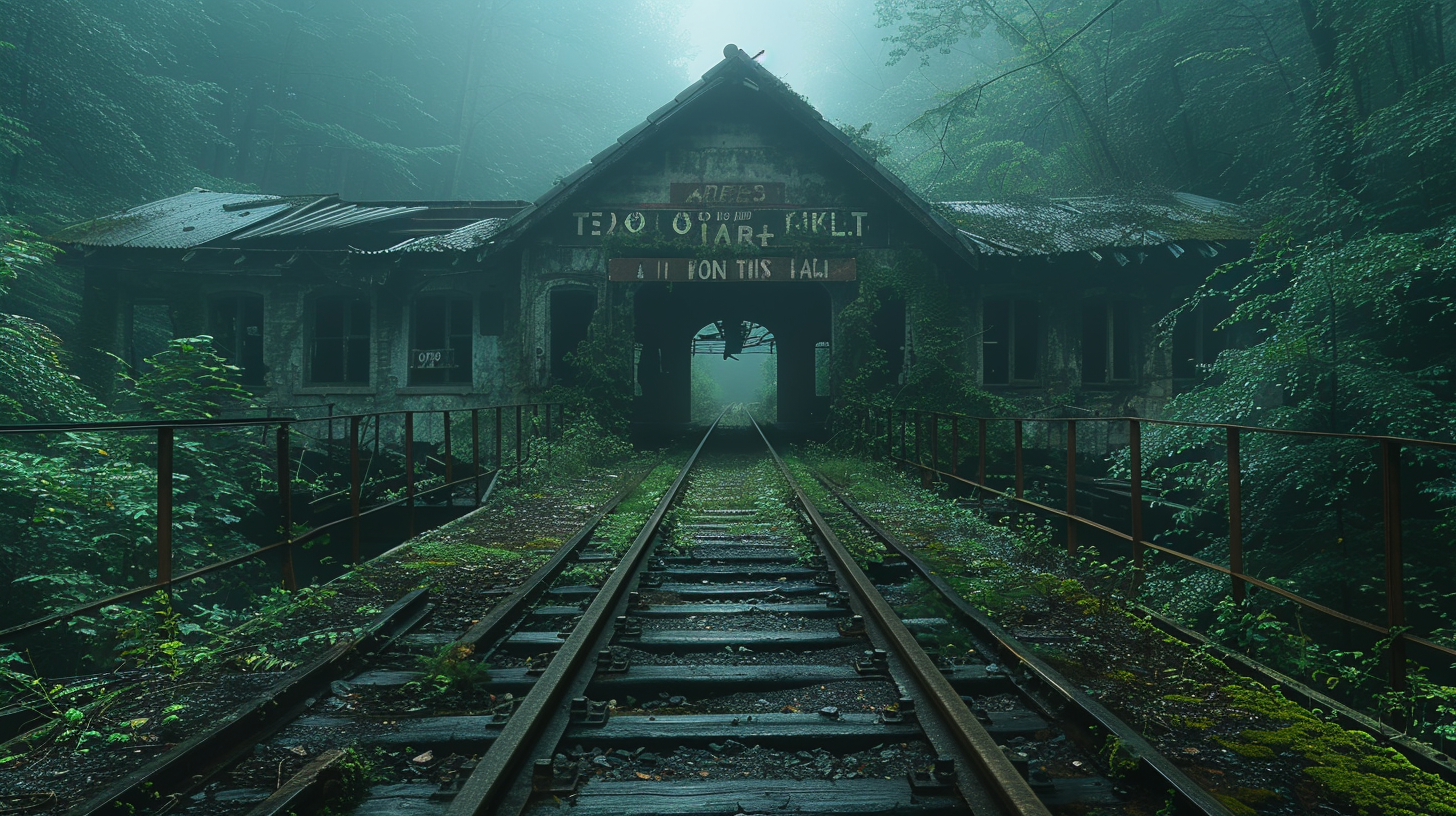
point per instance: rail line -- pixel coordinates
(734, 659)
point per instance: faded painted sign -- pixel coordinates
(695, 194)
(761, 227)
(767, 269)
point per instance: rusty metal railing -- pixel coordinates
(547, 420)
(922, 430)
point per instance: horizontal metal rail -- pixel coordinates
(166, 431)
(1394, 629)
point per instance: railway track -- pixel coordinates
(734, 659)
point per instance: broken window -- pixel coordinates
(340, 353)
(1107, 342)
(236, 325)
(1010, 341)
(442, 344)
(1196, 340)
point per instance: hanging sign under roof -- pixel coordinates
(759, 269)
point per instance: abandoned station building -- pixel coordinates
(735, 203)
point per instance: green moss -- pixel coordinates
(1246, 749)
(1373, 780)
(452, 553)
(1235, 806)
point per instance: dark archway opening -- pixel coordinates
(571, 314)
(669, 317)
(734, 362)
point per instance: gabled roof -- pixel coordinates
(738, 67)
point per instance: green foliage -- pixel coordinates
(188, 380)
(601, 367)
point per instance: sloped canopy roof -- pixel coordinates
(1057, 226)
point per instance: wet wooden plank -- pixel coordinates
(860, 797)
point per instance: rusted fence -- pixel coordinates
(499, 442)
(914, 438)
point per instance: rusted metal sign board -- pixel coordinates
(699, 194)
(767, 269)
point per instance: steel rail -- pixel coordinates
(505, 762)
(177, 773)
(1011, 792)
(1065, 690)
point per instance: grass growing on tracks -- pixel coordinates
(617, 531)
(1254, 749)
(757, 486)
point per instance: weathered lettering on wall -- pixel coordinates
(759, 226)
(763, 269)
(695, 194)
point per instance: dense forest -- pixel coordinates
(1333, 120)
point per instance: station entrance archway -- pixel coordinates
(668, 315)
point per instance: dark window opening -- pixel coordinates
(236, 325)
(340, 354)
(151, 330)
(888, 332)
(571, 313)
(1196, 341)
(443, 340)
(1010, 341)
(492, 314)
(1108, 343)
(822, 362)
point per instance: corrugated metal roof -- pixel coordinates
(464, 239)
(325, 214)
(1057, 226)
(179, 222)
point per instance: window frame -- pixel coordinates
(462, 374)
(1018, 311)
(348, 334)
(237, 356)
(1109, 310)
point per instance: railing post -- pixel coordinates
(409, 466)
(1135, 491)
(981, 451)
(449, 455)
(955, 444)
(498, 435)
(1071, 486)
(164, 508)
(475, 450)
(904, 420)
(934, 441)
(1020, 477)
(354, 483)
(409, 457)
(285, 509)
(1394, 562)
(1235, 518)
(518, 445)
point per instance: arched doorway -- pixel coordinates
(733, 362)
(669, 317)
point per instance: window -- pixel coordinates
(236, 325)
(1196, 341)
(492, 314)
(1010, 341)
(151, 331)
(821, 369)
(340, 354)
(443, 329)
(1107, 342)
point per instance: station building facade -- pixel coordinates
(733, 204)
